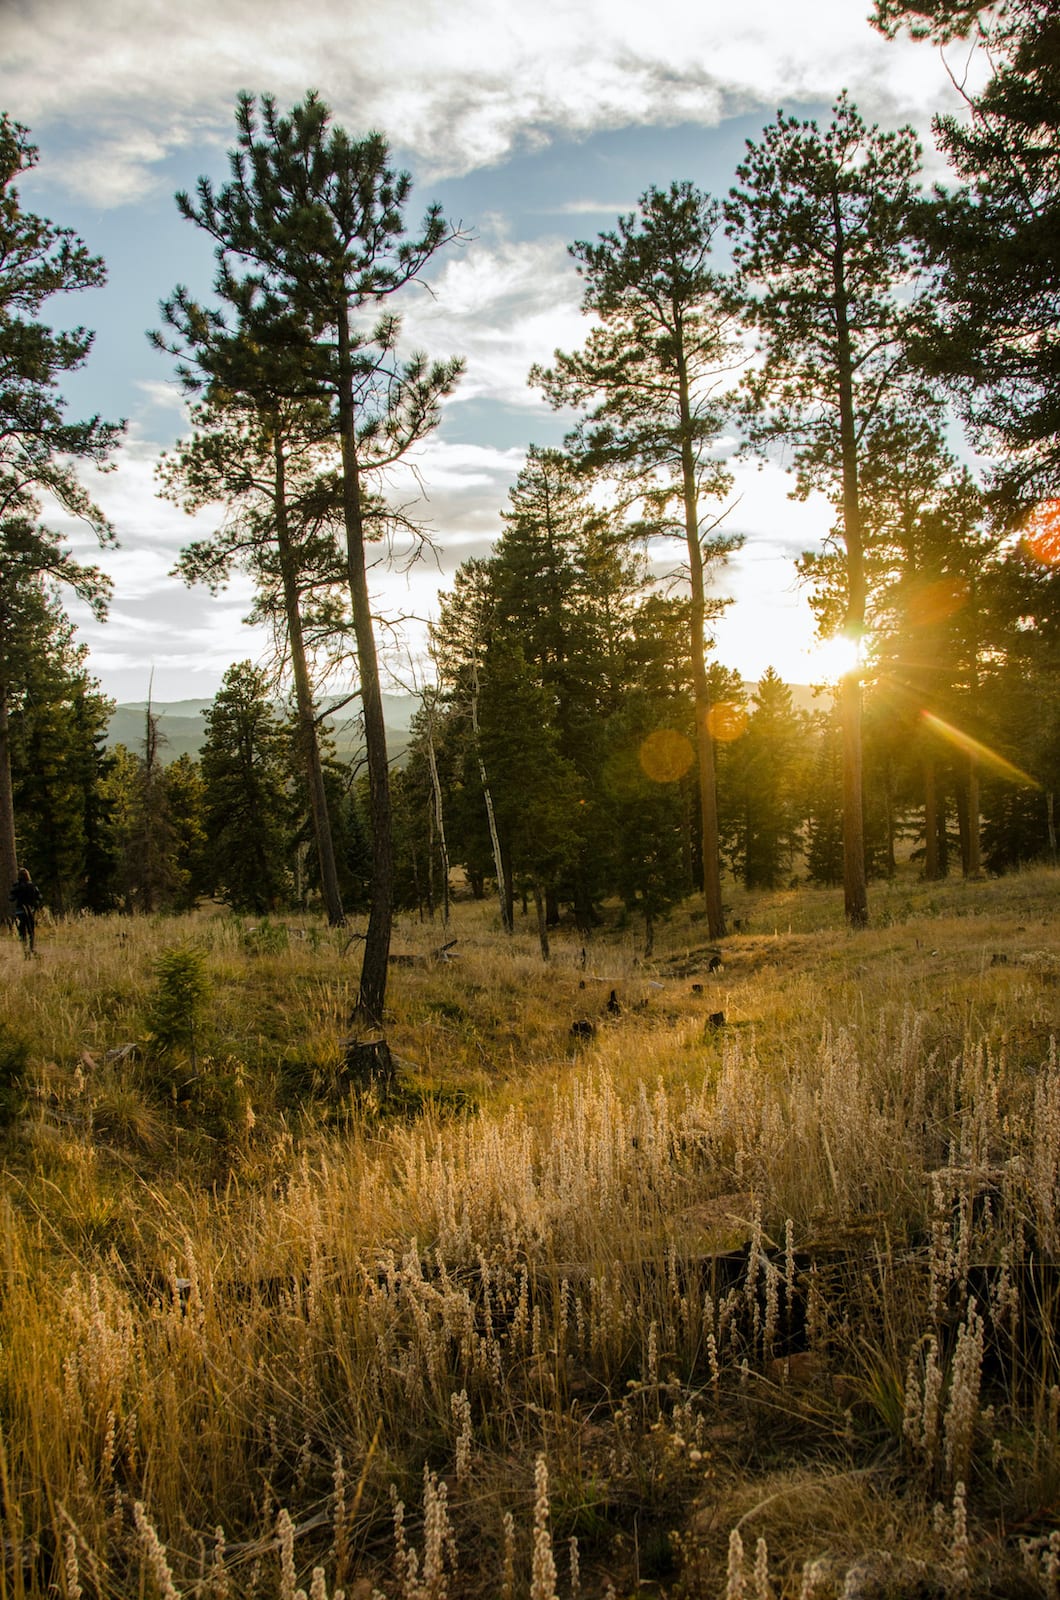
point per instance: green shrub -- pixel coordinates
(176, 1008)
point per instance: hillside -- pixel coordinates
(181, 727)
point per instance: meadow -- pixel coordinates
(668, 1277)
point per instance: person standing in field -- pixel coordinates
(26, 899)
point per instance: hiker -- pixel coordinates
(26, 898)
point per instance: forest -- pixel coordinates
(624, 1128)
(577, 739)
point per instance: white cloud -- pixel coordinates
(458, 88)
(114, 88)
(165, 397)
(502, 305)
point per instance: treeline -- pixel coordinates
(124, 829)
(579, 741)
(554, 761)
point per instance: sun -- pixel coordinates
(834, 658)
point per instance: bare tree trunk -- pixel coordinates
(931, 822)
(309, 743)
(708, 798)
(854, 887)
(542, 922)
(371, 996)
(498, 863)
(855, 891)
(439, 819)
(973, 861)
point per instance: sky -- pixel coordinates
(532, 125)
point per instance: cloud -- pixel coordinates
(457, 89)
(502, 306)
(167, 397)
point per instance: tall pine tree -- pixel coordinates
(38, 446)
(821, 236)
(312, 245)
(650, 378)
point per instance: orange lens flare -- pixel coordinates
(979, 752)
(666, 755)
(726, 721)
(935, 602)
(1041, 533)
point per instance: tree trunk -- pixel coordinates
(1050, 822)
(372, 991)
(708, 798)
(507, 920)
(439, 819)
(430, 864)
(855, 892)
(855, 901)
(942, 830)
(973, 856)
(8, 850)
(542, 922)
(931, 822)
(649, 933)
(961, 798)
(308, 741)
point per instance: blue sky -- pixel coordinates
(533, 126)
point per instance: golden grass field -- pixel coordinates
(671, 1308)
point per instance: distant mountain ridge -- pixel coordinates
(182, 726)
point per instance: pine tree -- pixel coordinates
(649, 376)
(38, 447)
(821, 231)
(995, 239)
(768, 780)
(313, 220)
(60, 768)
(246, 804)
(262, 459)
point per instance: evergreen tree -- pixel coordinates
(314, 222)
(536, 792)
(262, 460)
(60, 768)
(562, 588)
(246, 801)
(38, 447)
(185, 798)
(995, 239)
(1022, 710)
(649, 376)
(767, 778)
(821, 231)
(926, 546)
(825, 854)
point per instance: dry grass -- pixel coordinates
(793, 1276)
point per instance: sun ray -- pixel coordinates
(981, 752)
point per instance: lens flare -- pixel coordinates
(935, 602)
(726, 721)
(1041, 533)
(666, 755)
(979, 752)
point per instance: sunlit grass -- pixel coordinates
(698, 1270)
